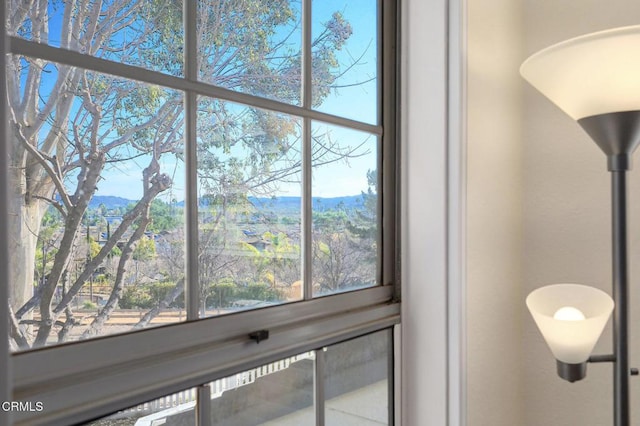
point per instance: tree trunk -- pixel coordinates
(25, 217)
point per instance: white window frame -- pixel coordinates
(79, 381)
(5, 360)
(433, 146)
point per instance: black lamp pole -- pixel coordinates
(618, 135)
(620, 298)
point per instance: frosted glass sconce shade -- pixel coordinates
(571, 318)
(590, 75)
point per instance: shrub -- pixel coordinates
(258, 291)
(148, 295)
(137, 297)
(223, 292)
(89, 305)
(159, 291)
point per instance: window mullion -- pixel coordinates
(388, 180)
(203, 406)
(319, 386)
(307, 257)
(306, 54)
(306, 152)
(32, 49)
(192, 301)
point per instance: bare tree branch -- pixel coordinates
(161, 306)
(15, 332)
(43, 162)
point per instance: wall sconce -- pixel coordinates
(595, 79)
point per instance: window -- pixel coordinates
(353, 376)
(196, 188)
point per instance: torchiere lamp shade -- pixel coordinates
(571, 318)
(594, 74)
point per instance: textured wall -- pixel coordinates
(494, 214)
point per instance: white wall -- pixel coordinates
(494, 214)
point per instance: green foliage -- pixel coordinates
(330, 220)
(145, 249)
(44, 260)
(136, 297)
(89, 305)
(94, 247)
(148, 296)
(258, 291)
(323, 248)
(159, 291)
(101, 279)
(164, 217)
(52, 218)
(278, 261)
(165, 17)
(46, 245)
(225, 292)
(364, 223)
(286, 220)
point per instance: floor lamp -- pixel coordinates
(595, 79)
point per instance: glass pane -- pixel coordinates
(148, 34)
(251, 46)
(249, 174)
(97, 228)
(162, 411)
(345, 58)
(357, 381)
(280, 393)
(345, 218)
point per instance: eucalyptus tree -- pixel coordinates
(73, 129)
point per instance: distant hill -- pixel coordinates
(318, 203)
(349, 202)
(110, 201)
(268, 203)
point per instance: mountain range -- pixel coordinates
(272, 203)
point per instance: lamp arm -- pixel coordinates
(611, 358)
(602, 358)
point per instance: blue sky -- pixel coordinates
(353, 101)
